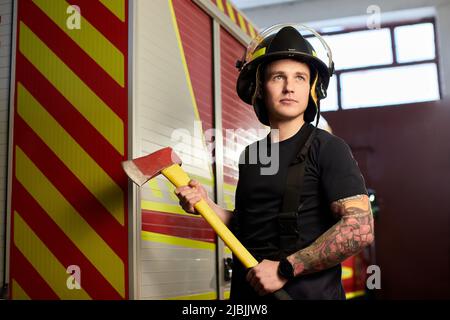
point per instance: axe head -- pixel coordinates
(142, 169)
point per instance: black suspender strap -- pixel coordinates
(287, 218)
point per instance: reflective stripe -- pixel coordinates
(80, 95)
(351, 295)
(258, 53)
(44, 261)
(117, 7)
(198, 296)
(176, 241)
(83, 236)
(18, 293)
(91, 40)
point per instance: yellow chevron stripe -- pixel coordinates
(347, 273)
(242, 23)
(171, 188)
(226, 294)
(230, 11)
(69, 151)
(229, 203)
(117, 7)
(177, 241)
(351, 295)
(92, 246)
(202, 180)
(163, 207)
(227, 250)
(229, 187)
(251, 30)
(220, 5)
(227, 197)
(156, 191)
(198, 296)
(18, 293)
(44, 261)
(92, 41)
(107, 123)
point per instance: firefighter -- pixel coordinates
(311, 213)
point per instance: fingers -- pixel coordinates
(194, 183)
(191, 199)
(197, 186)
(255, 282)
(264, 277)
(189, 195)
(191, 187)
(250, 275)
(182, 190)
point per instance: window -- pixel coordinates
(393, 65)
(359, 49)
(415, 42)
(389, 86)
(330, 103)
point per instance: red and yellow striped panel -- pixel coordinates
(236, 17)
(69, 193)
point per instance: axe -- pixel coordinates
(167, 162)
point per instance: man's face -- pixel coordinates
(287, 86)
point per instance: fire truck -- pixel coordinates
(88, 84)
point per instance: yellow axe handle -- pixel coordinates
(179, 178)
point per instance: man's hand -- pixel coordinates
(264, 277)
(191, 194)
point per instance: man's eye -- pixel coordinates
(278, 77)
(301, 77)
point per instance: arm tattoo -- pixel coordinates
(346, 238)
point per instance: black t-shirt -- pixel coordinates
(331, 173)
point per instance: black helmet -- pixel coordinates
(287, 43)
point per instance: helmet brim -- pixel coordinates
(246, 82)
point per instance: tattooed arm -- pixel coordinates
(353, 232)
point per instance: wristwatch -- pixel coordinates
(285, 269)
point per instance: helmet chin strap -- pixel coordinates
(318, 117)
(314, 97)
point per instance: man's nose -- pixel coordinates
(288, 85)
